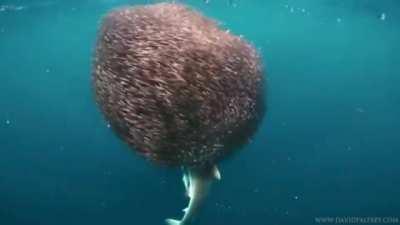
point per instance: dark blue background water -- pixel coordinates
(328, 147)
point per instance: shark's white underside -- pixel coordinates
(197, 184)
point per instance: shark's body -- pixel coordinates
(197, 183)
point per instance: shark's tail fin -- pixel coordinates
(173, 222)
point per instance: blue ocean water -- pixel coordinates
(328, 147)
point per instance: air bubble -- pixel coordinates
(383, 16)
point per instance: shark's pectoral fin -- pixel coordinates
(216, 173)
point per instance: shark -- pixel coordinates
(197, 183)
